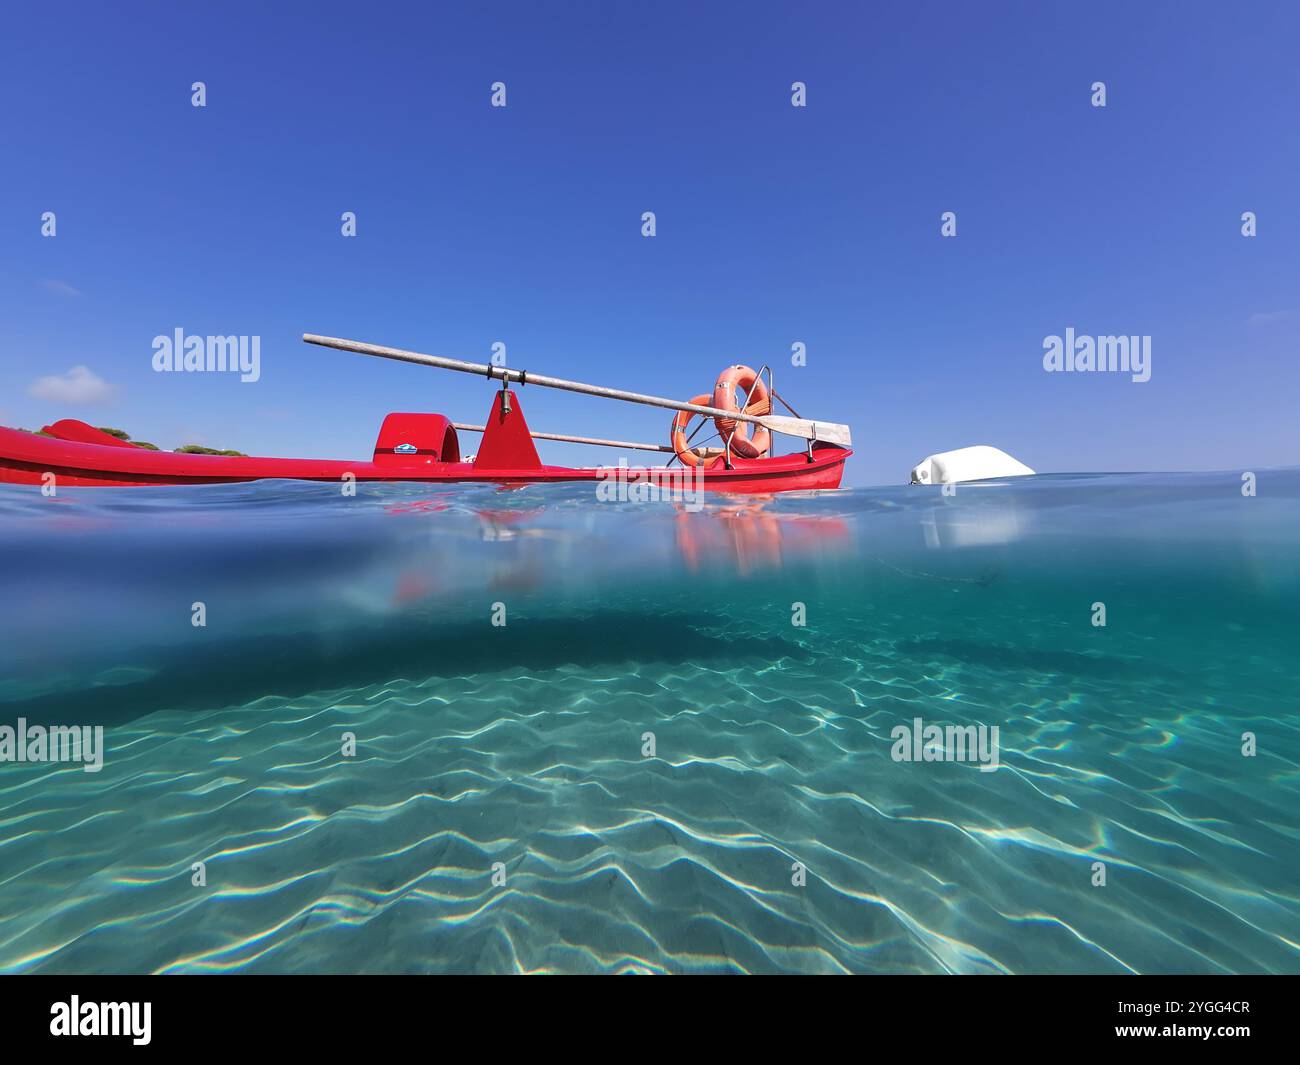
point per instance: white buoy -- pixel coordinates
(979, 463)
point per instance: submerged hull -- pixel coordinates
(26, 458)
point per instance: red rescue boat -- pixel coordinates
(427, 448)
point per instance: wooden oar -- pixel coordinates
(805, 429)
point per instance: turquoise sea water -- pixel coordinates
(524, 744)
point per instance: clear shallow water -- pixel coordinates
(522, 744)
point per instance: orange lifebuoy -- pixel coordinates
(690, 456)
(737, 379)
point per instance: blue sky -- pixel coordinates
(775, 224)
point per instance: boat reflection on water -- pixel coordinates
(528, 549)
(752, 537)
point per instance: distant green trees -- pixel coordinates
(184, 449)
(199, 449)
(122, 434)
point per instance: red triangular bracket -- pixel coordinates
(506, 444)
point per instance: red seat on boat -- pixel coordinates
(416, 439)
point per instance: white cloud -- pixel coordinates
(62, 288)
(1268, 317)
(78, 385)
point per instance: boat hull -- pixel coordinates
(26, 458)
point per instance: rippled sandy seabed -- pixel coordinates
(523, 744)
